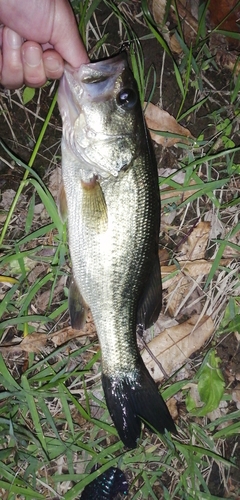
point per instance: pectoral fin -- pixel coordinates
(94, 208)
(77, 306)
(150, 303)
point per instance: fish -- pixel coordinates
(108, 486)
(111, 195)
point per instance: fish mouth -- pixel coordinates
(90, 82)
(103, 69)
(95, 81)
(100, 70)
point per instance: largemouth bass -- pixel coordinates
(112, 196)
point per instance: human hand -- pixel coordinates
(36, 36)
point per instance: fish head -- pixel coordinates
(102, 116)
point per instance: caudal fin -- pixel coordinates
(133, 396)
(106, 486)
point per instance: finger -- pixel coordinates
(71, 47)
(33, 67)
(0, 67)
(46, 21)
(1, 34)
(53, 64)
(1, 37)
(12, 69)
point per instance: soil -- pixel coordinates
(20, 136)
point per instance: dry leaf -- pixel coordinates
(55, 181)
(174, 45)
(196, 244)
(37, 271)
(169, 193)
(158, 8)
(219, 412)
(39, 208)
(191, 268)
(188, 14)
(158, 119)
(237, 336)
(175, 345)
(37, 342)
(226, 15)
(233, 252)
(184, 285)
(236, 395)
(173, 408)
(34, 342)
(42, 300)
(179, 196)
(7, 198)
(217, 227)
(184, 295)
(66, 334)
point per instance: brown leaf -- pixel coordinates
(226, 17)
(191, 268)
(62, 336)
(175, 345)
(196, 244)
(42, 300)
(7, 198)
(185, 294)
(178, 194)
(34, 342)
(162, 121)
(188, 13)
(55, 181)
(158, 8)
(172, 406)
(175, 45)
(233, 252)
(236, 395)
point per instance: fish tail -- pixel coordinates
(132, 397)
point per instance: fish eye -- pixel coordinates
(127, 98)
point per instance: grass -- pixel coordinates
(54, 425)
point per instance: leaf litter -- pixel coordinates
(224, 46)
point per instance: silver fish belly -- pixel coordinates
(111, 185)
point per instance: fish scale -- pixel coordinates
(108, 253)
(112, 194)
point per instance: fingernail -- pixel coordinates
(14, 40)
(52, 64)
(32, 56)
